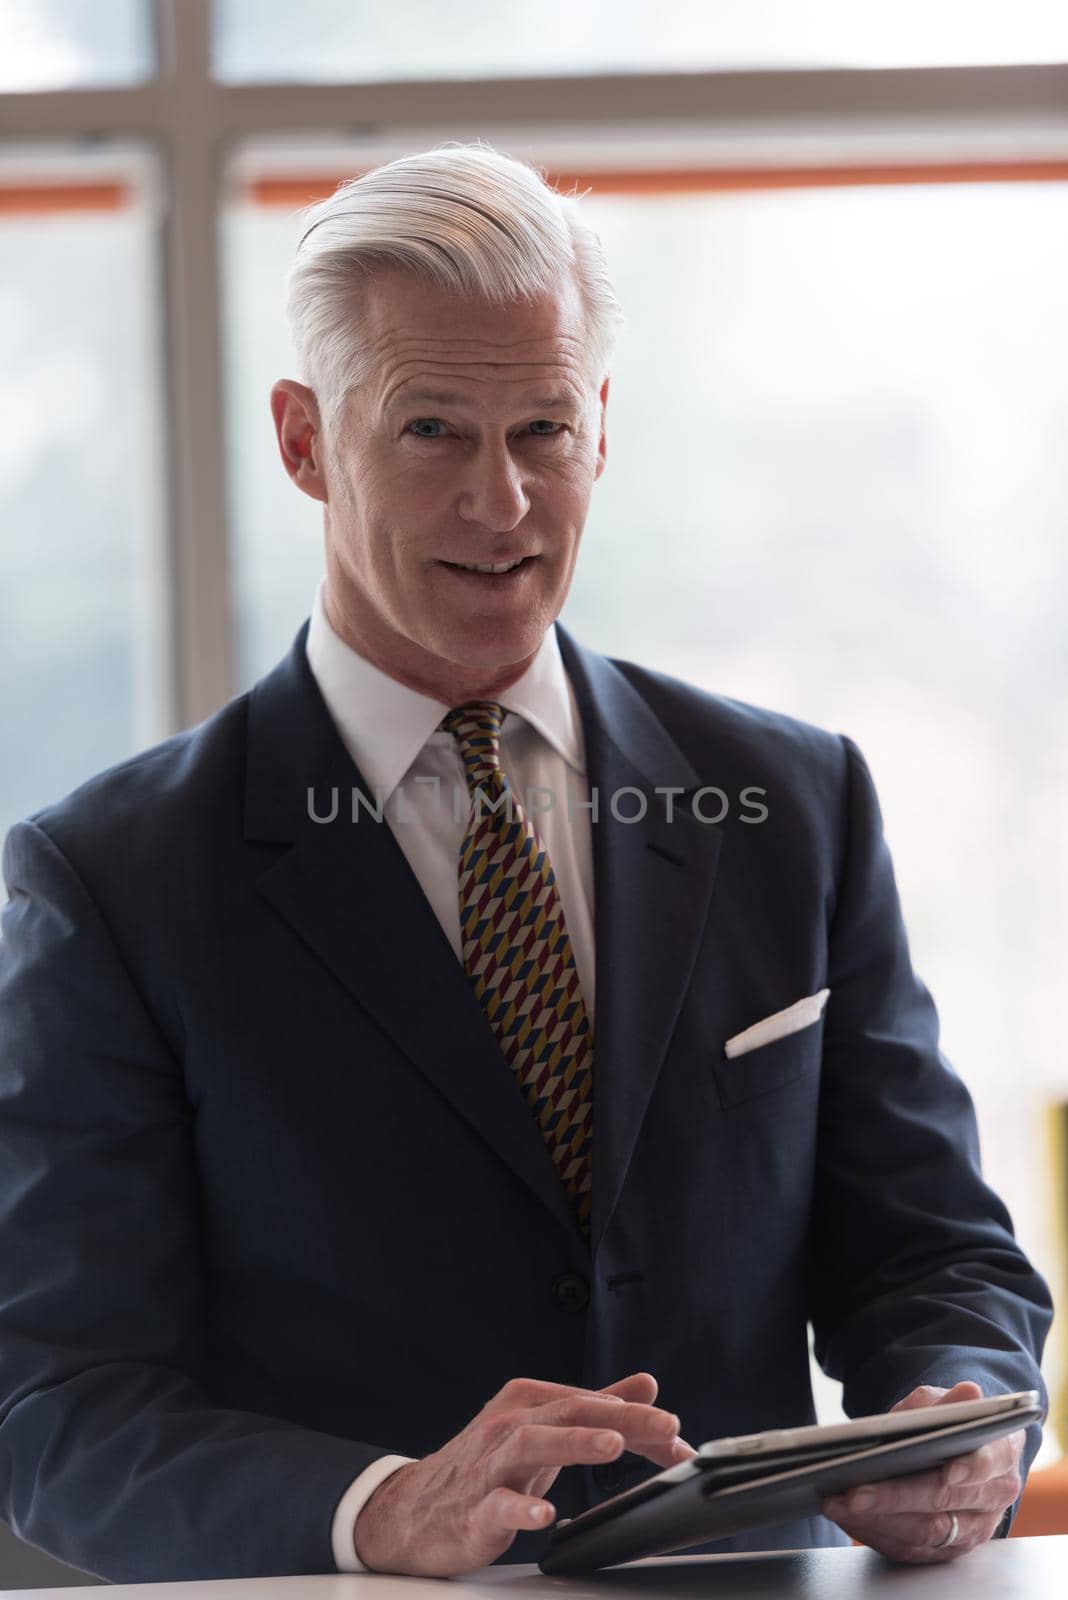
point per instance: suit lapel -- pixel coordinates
(348, 892)
(653, 882)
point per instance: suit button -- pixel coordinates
(571, 1291)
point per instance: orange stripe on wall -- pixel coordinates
(33, 199)
(18, 199)
(302, 191)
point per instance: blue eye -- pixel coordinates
(436, 422)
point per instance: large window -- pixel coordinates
(256, 40)
(83, 585)
(68, 44)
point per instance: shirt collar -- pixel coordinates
(384, 724)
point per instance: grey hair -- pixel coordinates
(463, 216)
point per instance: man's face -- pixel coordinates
(476, 439)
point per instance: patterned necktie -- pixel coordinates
(517, 953)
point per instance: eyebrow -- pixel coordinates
(450, 397)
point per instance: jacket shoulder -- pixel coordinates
(716, 726)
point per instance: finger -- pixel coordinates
(646, 1430)
(919, 1538)
(519, 1393)
(531, 1446)
(598, 1412)
(640, 1386)
(634, 1419)
(506, 1510)
(911, 1531)
(924, 1492)
(999, 1459)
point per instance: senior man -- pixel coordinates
(337, 1229)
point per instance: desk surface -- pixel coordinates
(1006, 1569)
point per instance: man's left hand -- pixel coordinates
(909, 1518)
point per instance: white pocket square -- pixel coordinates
(800, 1015)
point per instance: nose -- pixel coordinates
(493, 494)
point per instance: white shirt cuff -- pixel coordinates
(352, 1502)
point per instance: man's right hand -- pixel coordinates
(460, 1507)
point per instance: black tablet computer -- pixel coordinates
(738, 1483)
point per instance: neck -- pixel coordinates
(451, 682)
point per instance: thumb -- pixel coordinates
(931, 1395)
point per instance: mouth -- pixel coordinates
(491, 572)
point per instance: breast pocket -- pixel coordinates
(768, 1067)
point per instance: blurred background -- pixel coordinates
(837, 477)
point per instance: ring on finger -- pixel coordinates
(954, 1529)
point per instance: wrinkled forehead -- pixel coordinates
(418, 332)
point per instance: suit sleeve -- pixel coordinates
(113, 1457)
(916, 1277)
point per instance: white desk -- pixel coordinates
(1007, 1569)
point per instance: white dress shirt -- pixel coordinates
(414, 778)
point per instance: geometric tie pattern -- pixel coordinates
(518, 956)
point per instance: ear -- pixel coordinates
(297, 428)
(602, 446)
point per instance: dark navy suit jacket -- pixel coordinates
(272, 1206)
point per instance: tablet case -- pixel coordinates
(725, 1498)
